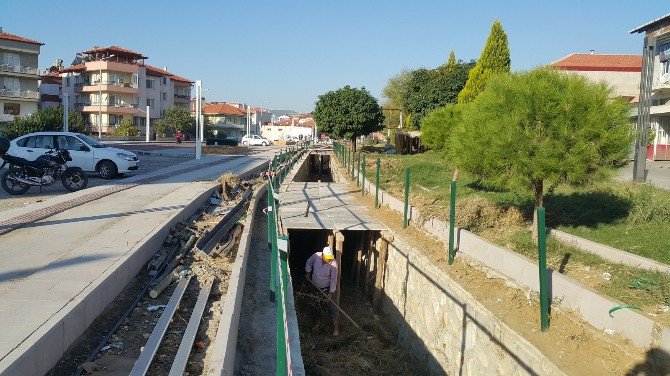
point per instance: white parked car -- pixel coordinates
(87, 153)
(255, 139)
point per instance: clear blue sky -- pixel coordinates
(283, 54)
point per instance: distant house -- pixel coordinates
(654, 104)
(51, 87)
(228, 120)
(19, 76)
(298, 126)
(621, 72)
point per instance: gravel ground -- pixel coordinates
(148, 163)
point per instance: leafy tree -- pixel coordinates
(493, 60)
(43, 120)
(393, 94)
(431, 89)
(348, 113)
(126, 129)
(526, 131)
(175, 118)
(437, 126)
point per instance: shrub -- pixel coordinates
(436, 128)
(126, 129)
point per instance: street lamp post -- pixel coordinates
(198, 119)
(148, 121)
(65, 112)
(100, 104)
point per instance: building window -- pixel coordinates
(12, 59)
(12, 109)
(112, 119)
(12, 83)
(164, 80)
(67, 81)
(164, 96)
(151, 102)
(151, 84)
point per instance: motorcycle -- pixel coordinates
(45, 170)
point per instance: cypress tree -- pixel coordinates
(493, 60)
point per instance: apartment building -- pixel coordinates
(621, 72)
(654, 100)
(50, 87)
(297, 126)
(19, 74)
(112, 84)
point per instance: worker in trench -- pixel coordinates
(322, 269)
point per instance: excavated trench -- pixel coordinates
(374, 349)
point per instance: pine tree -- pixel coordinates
(493, 60)
(449, 65)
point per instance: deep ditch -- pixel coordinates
(126, 344)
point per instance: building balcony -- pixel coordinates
(663, 109)
(109, 108)
(115, 87)
(92, 66)
(20, 94)
(19, 69)
(182, 98)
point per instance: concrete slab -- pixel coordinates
(58, 274)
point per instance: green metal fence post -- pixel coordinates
(353, 163)
(363, 178)
(273, 248)
(282, 361)
(452, 221)
(377, 184)
(358, 171)
(542, 253)
(405, 221)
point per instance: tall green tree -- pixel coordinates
(431, 89)
(44, 120)
(393, 94)
(437, 126)
(348, 113)
(175, 118)
(527, 131)
(493, 60)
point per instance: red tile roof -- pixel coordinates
(51, 79)
(116, 49)
(598, 62)
(73, 68)
(17, 38)
(222, 109)
(163, 72)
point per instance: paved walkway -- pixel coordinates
(56, 275)
(658, 175)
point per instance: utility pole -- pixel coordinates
(65, 112)
(198, 110)
(248, 121)
(147, 124)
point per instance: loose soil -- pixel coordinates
(374, 352)
(571, 343)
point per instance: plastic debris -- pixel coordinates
(609, 332)
(215, 201)
(116, 345)
(155, 307)
(607, 276)
(623, 307)
(663, 308)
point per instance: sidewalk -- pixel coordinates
(58, 274)
(658, 175)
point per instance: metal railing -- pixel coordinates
(19, 69)
(26, 94)
(182, 96)
(110, 104)
(108, 83)
(280, 166)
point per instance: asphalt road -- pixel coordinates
(148, 163)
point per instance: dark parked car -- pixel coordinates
(222, 141)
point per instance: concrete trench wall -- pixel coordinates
(445, 328)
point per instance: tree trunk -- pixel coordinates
(539, 202)
(353, 142)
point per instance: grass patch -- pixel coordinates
(628, 216)
(633, 286)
